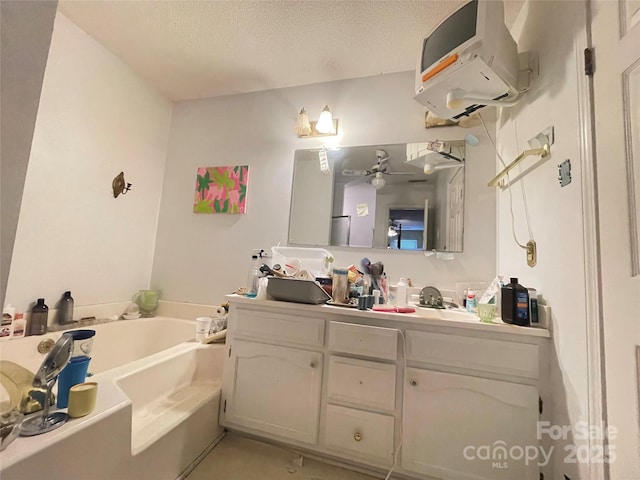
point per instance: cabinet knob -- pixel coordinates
(413, 383)
(313, 364)
(357, 436)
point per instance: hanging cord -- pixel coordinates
(504, 165)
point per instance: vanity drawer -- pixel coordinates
(364, 340)
(495, 356)
(360, 433)
(370, 384)
(281, 328)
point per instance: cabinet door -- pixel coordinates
(460, 427)
(273, 389)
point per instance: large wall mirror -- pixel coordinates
(407, 196)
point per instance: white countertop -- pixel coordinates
(425, 316)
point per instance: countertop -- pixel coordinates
(425, 316)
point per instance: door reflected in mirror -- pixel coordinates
(400, 197)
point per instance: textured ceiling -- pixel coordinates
(196, 49)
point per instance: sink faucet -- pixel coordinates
(431, 297)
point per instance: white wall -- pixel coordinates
(26, 34)
(96, 118)
(200, 258)
(557, 31)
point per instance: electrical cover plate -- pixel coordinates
(532, 253)
(564, 173)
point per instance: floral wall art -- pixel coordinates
(221, 189)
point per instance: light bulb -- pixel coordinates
(303, 127)
(325, 121)
(429, 168)
(378, 182)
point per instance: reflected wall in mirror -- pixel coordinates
(407, 196)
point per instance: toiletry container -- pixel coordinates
(6, 327)
(65, 309)
(252, 278)
(39, 318)
(515, 303)
(401, 293)
(19, 326)
(471, 304)
(533, 307)
(340, 285)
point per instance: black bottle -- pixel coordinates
(39, 318)
(515, 303)
(65, 309)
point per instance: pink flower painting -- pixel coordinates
(221, 189)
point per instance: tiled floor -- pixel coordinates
(238, 458)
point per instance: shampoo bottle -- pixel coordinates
(39, 318)
(65, 309)
(515, 303)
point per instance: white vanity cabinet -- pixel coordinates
(462, 425)
(275, 390)
(451, 397)
(269, 387)
(361, 392)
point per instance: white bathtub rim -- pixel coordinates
(111, 400)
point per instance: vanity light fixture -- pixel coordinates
(303, 127)
(325, 126)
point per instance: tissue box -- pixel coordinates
(296, 290)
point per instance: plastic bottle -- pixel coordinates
(6, 327)
(471, 304)
(515, 303)
(252, 278)
(65, 309)
(533, 307)
(401, 293)
(19, 326)
(39, 318)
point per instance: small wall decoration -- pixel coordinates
(221, 189)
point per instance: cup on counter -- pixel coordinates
(486, 312)
(82, 399)
(203, 325)
(74, 373)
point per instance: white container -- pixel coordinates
(401, 293)
(203, 324)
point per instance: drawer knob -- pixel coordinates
(413, 383)
(313, 364)
(357, 436)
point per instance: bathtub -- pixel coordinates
(156, 412)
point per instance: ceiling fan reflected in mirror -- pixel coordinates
(376, 172)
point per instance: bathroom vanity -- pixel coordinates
(450, 396)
